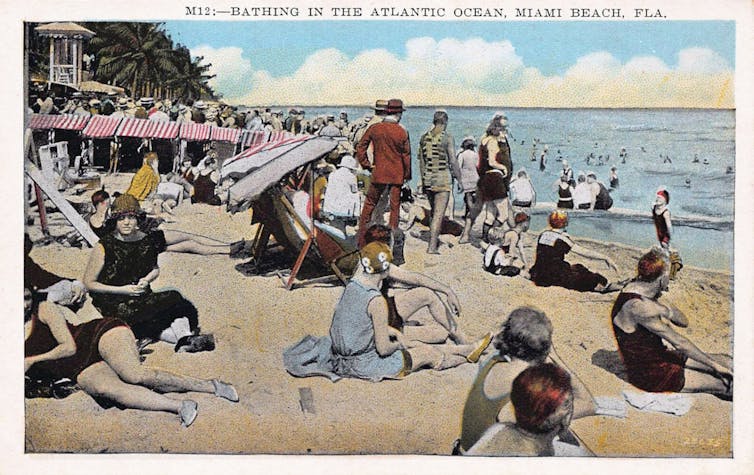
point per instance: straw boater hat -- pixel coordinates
(348, 162)
(200, 105)
(380, 105)
(122, 103)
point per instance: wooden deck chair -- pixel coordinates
(276, 217)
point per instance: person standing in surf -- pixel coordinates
(664, 228)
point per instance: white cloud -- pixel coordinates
(701, 61)
(231, 70)
(476, 72)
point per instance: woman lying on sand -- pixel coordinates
(100, 355)
(177, 241)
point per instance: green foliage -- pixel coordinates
(142, 58)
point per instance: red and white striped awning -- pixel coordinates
(164, 130)
(147, 129)
(101, 126)
(62, 121)
(225, 134)
(132, 127)
(253, 138)
(194, 132)
(262, 147)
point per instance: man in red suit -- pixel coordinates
(392, 164)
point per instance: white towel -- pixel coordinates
(610, 406)
(669, 403)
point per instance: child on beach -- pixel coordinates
(663, 228)
(505, 256)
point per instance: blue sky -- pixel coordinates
(551, 47)
(526, 64)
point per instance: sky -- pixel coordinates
(515, 64)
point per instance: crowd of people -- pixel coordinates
(389, 322)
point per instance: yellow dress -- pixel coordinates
(143, 183)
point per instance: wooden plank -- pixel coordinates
(306, 399)
(62, 204)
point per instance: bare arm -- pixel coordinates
(415, 279)
(590, 254)
(647, 314)
(51, 315)
(378, 312)
(94, 267)
(492, 149)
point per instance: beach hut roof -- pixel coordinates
(98, 87)
(68, 29)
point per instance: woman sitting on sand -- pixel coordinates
(524, 340)
(506, 255)
(365, 346)
(121, 268)
(641, 326)
(176, 241)
(409, 292)
(543, 402)
(550, 267)
(100, 356)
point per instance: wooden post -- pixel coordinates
(42, 211)
(52, 59)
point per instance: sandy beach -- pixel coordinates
(254, 319)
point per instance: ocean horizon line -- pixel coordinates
(428, 106)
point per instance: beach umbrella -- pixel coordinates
(267, 167)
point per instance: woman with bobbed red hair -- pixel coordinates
(642, 327)
(542, 399)
(550, 267)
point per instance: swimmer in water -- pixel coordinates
(696, 159)
(688, 182)
(729, 170)
(705, 162)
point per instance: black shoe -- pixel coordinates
(195, 343)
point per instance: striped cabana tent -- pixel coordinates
(61, 121)
(101, 127)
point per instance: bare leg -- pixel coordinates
(100, 380)
(178, 241)
(438, 202)
(473, 209)
(409, 302)
(193, 247)
(439, 356)
(118, 349)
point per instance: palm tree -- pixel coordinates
(135, 54)
(192, 77)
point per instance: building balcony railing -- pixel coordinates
(64, 74)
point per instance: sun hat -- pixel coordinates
(380, 105)
(348, 162)
(394, 106)
(125, 204)
(200, 105)
(376, 257)
(591, 174)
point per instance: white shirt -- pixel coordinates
(341, 195)
(467, 161)
(582, 194)
(522, 190)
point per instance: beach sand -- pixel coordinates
(254, 319)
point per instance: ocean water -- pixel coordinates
(647, 136)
